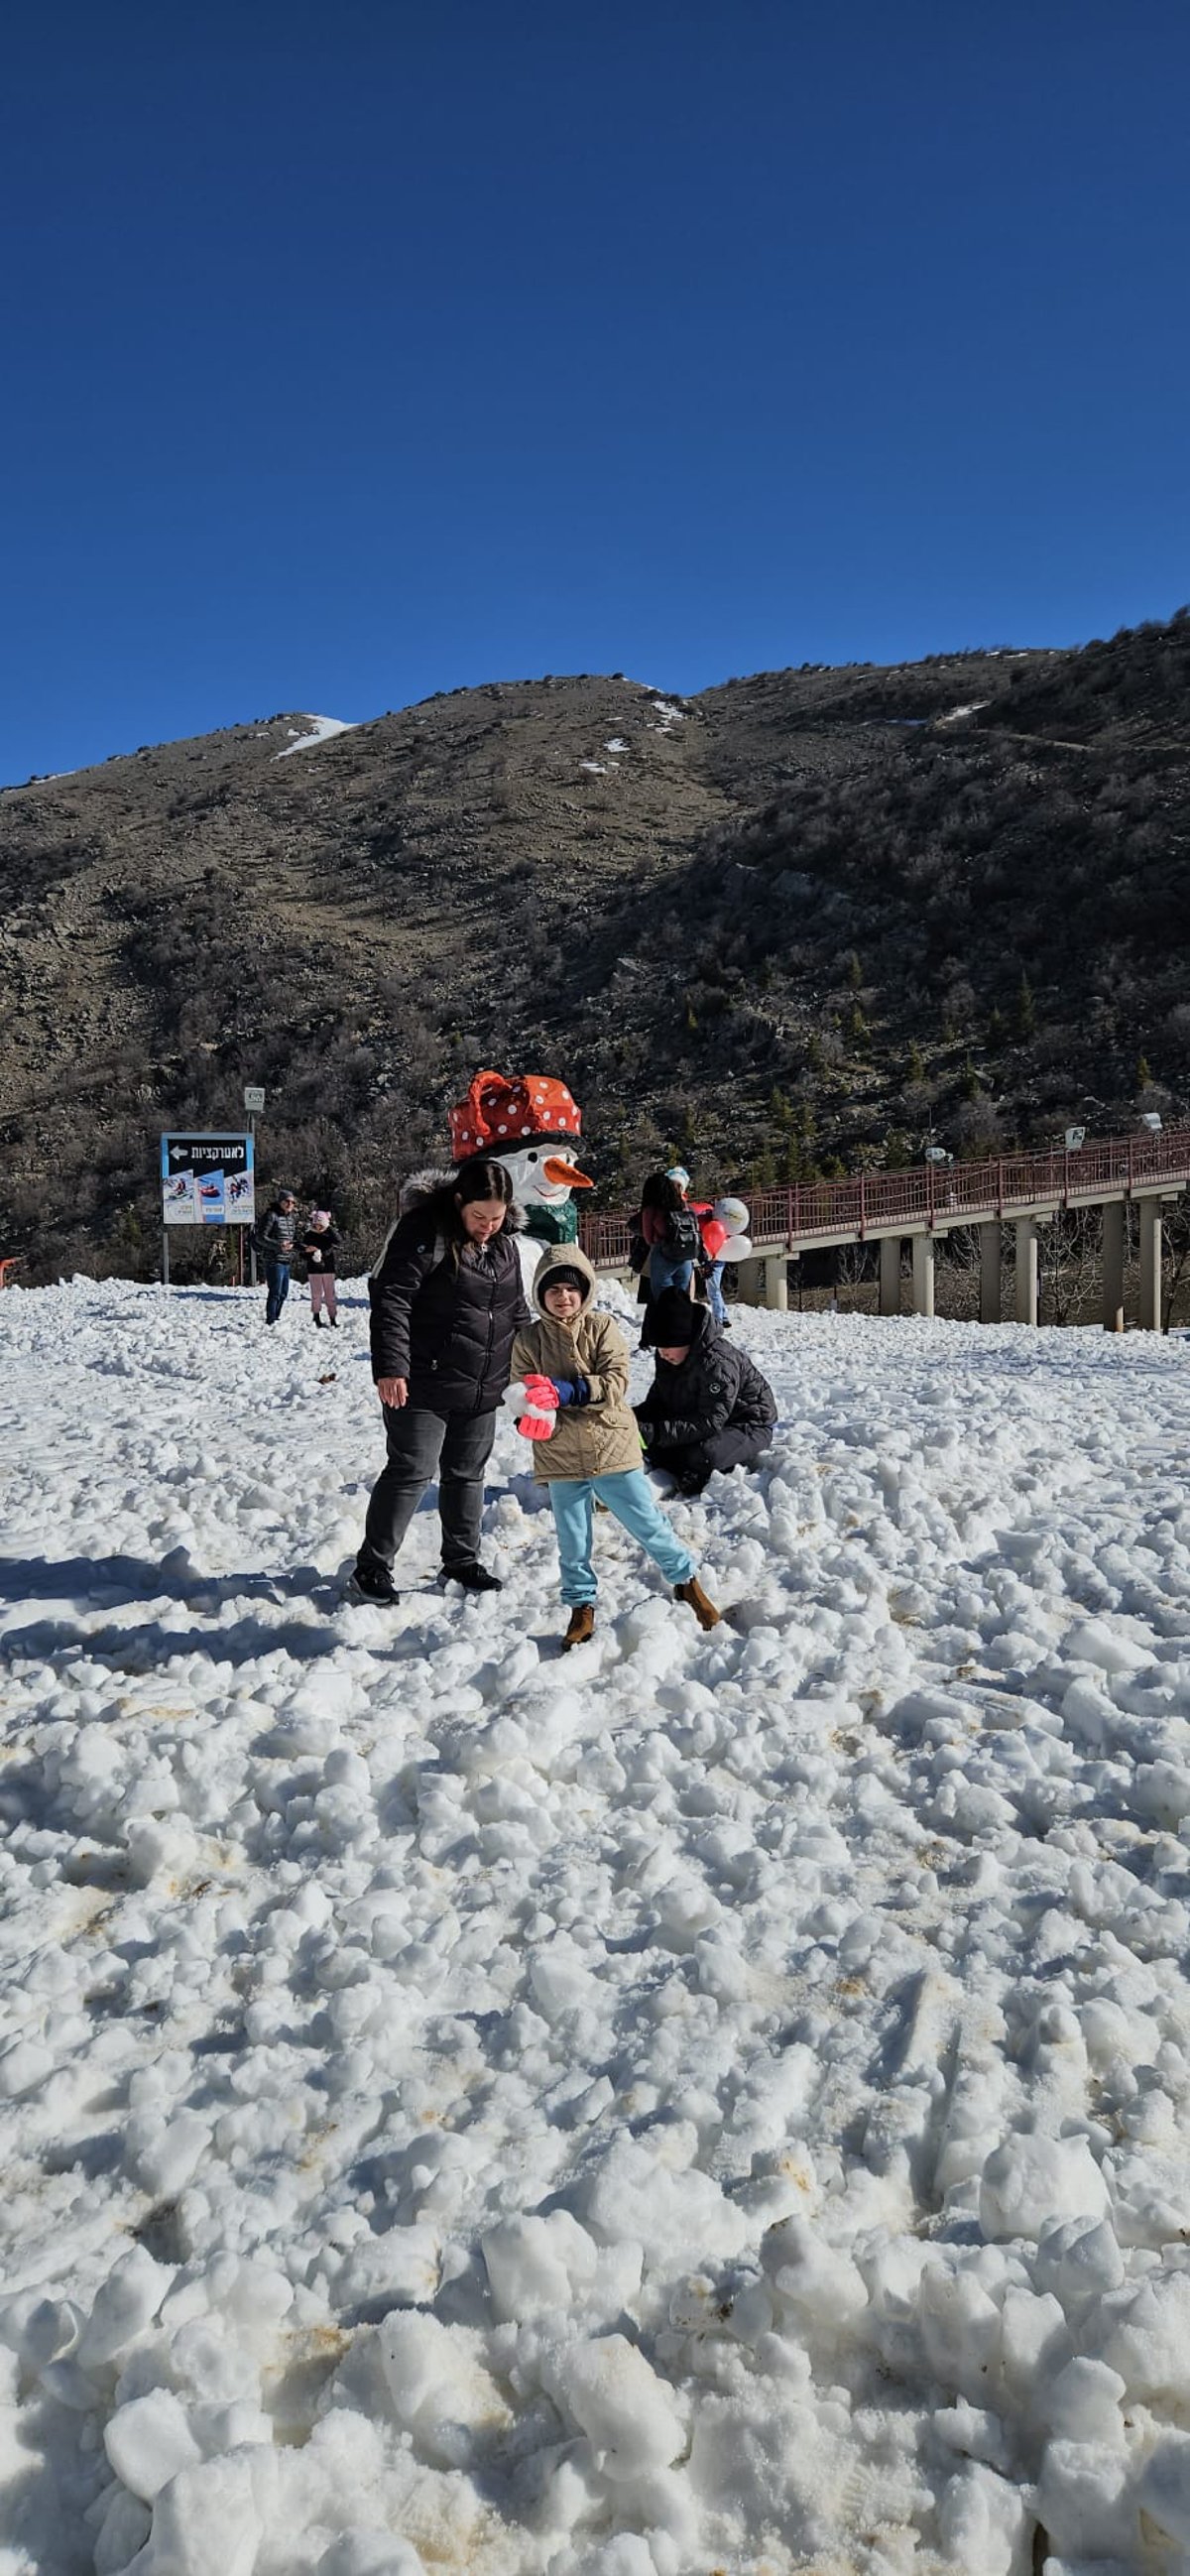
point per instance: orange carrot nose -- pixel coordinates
(564, 1176)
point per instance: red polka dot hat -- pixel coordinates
(501, 1112)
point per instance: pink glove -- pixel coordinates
(540, 1407)
(534, 1400)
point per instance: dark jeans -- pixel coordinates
(691, 1465)
(453, 1446)
(277, 1276)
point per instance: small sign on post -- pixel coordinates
(253, 1096)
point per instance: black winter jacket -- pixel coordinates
(325, 1241)
(275, 1235)
(446, 1324)
(717, 1386)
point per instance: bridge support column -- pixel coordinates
(750, 1282)
(923, 1274)
(1026, 1270)
(775, 1282)
(1150, 1265)
(890, 1274)
(989, 1274)
(1113, 1266)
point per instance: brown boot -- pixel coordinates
(582, 1626)
(693, 1595)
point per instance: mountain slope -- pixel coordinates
(783, 922)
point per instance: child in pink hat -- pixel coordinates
(320, 1242)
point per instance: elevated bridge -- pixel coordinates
(929, 1199)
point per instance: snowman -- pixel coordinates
(525, 1123)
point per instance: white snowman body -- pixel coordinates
(541, 1178)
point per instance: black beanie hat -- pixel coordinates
(562, 1275)
(672, 1318)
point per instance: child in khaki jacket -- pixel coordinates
(573, 1400)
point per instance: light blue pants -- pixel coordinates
(668, 1274)
(630, 1496)
(715, 1297)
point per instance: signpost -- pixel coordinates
(206, 1180)
(253, 1103)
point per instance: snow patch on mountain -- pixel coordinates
(324, 730)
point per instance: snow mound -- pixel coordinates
(720, 2100)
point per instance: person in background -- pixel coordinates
(573, 1372)
(710, 1266)
(708, 1407)
(669, 1230)
(274, 1244)
(320, 1242)
(447, 1304)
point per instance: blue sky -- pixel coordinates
(359, 353)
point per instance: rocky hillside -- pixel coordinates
(803, 918)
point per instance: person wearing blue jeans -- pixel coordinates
(274, 1243)
(670, 1230)
(570, 1397)
(276, 1280)
(630, 1497)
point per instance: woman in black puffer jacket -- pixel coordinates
(447, 1304)
(708, 1406)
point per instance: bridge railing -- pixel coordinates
(928, 1194)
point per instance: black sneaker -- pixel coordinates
(372, 1581)
(474, 1578)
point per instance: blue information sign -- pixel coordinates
(208, 1180)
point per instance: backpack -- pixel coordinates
(683, 1242)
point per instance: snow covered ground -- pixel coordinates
(707, 2103)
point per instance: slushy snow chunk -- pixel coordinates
(1165, 2486)
(1029, 2179)
(538, 2263)
(438, 2386)
(205, 2523)
(125, 2304)
(628, 2414)
(1147, 2338)
(370, 2553)
(149, 2441)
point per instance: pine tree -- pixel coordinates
(917, 1063)
(854, 972)
(1143, 1073)
(1026, 1008)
